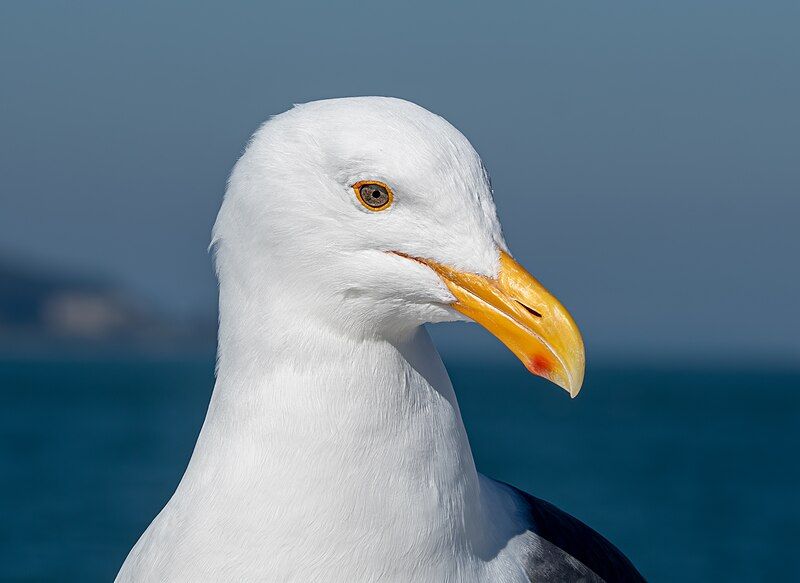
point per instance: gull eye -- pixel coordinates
(374, 195)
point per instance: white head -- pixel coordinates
(299, 233)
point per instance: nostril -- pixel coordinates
(531, 310)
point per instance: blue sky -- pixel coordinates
(645, 156)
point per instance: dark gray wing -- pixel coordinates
(570, 551)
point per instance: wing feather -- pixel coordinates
(578, 544)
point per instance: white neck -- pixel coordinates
(313, 438)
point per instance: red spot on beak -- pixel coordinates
(539, 365)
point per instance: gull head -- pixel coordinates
(373, 216)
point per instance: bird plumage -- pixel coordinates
(333, 448)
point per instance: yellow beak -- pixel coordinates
(524, 316)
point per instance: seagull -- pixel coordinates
(333, 448)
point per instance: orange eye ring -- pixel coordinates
(374, 195)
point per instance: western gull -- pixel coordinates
(333, 448)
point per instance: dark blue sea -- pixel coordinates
(692, 472)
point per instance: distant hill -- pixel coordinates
(46, 308)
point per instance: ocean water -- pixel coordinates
(692, 472)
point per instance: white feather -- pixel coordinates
(333, 448)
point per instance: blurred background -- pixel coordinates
(646, 166)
